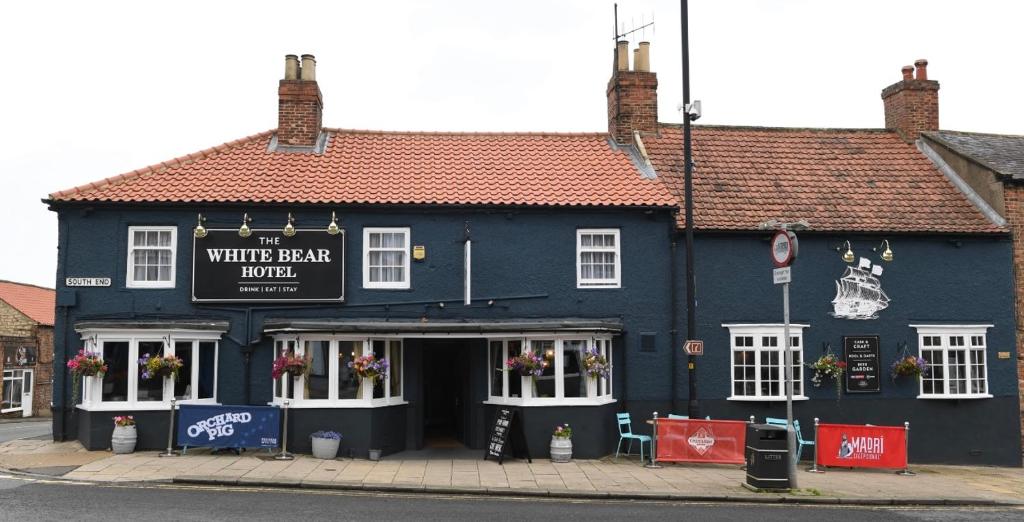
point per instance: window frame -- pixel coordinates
(364, 396)
(129, 277)
(407, 267)
(92, 387)
(604, 392)
(11, 375)
(945, 332)
(582, 283)
(765, 330)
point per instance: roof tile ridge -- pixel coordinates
(161, 166)
(26, 284)
(872, 130)
(338, 130)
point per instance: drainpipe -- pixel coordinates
(674, 312)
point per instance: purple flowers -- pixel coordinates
(333, 435)
(369, 367)
(596, 364)
(526, 364)
(909, 366)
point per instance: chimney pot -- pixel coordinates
(643, 62)
(908, 72)
(636, 59)
(622, 52)
(922, 69)
(291, 67)
(308, 68)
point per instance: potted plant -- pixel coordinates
(909, 366)
(85, 364)
(828, 366)
(157, 367)
(291, 364)
(596, 365)
(124, 437)
(325, 444)
(529, 366)
(561, 443)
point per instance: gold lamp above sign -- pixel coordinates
(886, 250)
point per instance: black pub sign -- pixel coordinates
(862, 369)
(268, 266)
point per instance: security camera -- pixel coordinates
(692, 110)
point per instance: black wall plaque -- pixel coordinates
(19, 355)
(268, 266)
(507, 431)
(862, 370)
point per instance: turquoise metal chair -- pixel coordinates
(626, 433)
(674, 416)
(800, 442)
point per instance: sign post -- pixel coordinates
(783, 252)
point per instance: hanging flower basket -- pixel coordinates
(595, 364)
(828, 366)
(290, 363)
(909, 366)
(85, 364)
(526, 364)
(369, 367)
(157, 367)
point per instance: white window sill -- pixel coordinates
(12, 410)
(342, 404)
(550, 401)
(766, 399)
(140, 286)
(152, 406)
(598, 286)
(954, 397)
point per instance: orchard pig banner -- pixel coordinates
(228, 426)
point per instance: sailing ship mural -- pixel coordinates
(859, 293)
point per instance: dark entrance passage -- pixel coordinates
(446, 393)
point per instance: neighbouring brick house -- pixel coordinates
(26, 349)
(989, 169)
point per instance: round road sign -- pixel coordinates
(782, 249)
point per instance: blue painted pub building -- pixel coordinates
(449, 253)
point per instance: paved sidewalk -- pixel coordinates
(582, 478)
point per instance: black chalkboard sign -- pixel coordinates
(862, 365)
(507, 434)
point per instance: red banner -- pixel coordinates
(859, 446)
(684, 440)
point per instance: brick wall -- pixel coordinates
(1014, 196)
(299, 112)
(634, 106)
(14, 323)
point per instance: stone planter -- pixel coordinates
(561, 449)
(326, 449)
(123, 439)
(374, 455)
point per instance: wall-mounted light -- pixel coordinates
(200, 230)
(289, 228)
(244, 230)
(886, 251)
(333, 229)
(848, 256)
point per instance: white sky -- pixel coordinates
(94, 89)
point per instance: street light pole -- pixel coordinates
(790, 431)
(693, 406)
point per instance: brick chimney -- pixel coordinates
(912, 104)
(300, 105)
(632, 94)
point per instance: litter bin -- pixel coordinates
(766, 454)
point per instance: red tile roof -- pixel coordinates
(34, 301)
(838, 180)
(396, 168)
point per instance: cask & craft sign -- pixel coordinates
(268, 266)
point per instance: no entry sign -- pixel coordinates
(783, 248)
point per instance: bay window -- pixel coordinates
(758, 363)
(329, 382)
(564, 379)
(956, 357)
(124, 386)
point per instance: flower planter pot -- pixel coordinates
(123, 439)
(375, 455)
(326, 449)
(561, 449)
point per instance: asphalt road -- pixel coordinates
(27, 500)
(23, 429)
